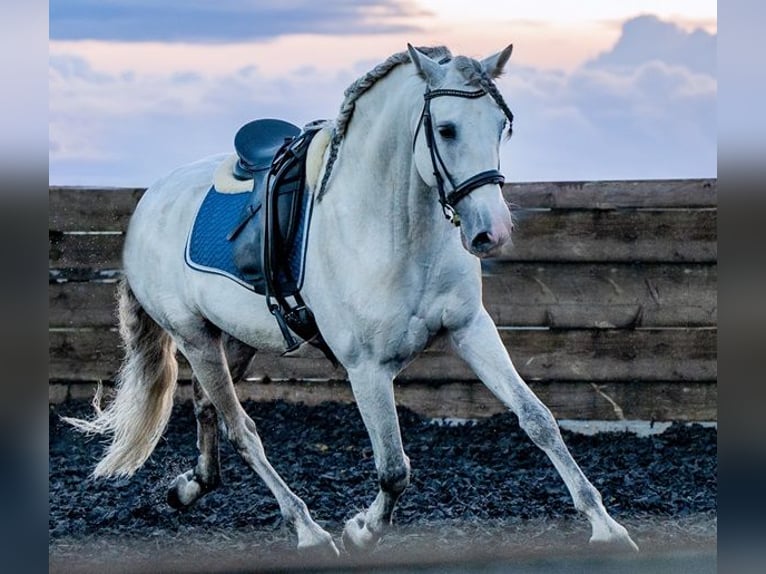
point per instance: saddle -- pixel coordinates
(269, 241)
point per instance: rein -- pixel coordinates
(448, 201)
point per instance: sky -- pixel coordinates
(599, 89)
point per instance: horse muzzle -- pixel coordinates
(485, 221)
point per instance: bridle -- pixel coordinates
(448, 201)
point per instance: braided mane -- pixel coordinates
(474, 74)
(356, 90)
(469, 68)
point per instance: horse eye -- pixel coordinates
(447, 131)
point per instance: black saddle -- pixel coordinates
(269, 242)
(257, 143)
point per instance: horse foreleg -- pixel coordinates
(374, 394)
(188, 487)
(209, 365)
(479, 344)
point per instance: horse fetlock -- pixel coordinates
(587, 500)
(396, 479)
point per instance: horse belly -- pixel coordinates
(236, 310)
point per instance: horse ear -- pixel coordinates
(494, 65)
(428, 69)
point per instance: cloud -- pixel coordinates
(647, 38)
(131, 128)
(605, 120)
(645, 109)
(202, 21)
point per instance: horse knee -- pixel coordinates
(395, 477)
(538, 422)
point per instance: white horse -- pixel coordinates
(417, 138)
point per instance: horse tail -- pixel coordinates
(146, 381)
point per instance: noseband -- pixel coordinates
(448, 201)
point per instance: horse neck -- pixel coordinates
(377, 194)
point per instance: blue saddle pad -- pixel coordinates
(208, 247)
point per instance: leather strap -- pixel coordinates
(483, 178)
(459, 192)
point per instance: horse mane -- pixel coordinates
(360, 87)
(470, 69)
(475, 75)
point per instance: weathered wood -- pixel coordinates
(590, 236)
(81, 252)
(630, 400)
(602, 263)
(589, 355)
(560, 295)
(91, 209)
(654, 194)
(566, 295)
(577, 355)
(83, 304)
(109, 209)
(566, 236)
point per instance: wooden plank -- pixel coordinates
(658, 401)
(87, 304)
(577, 355)
(109, 209)
(85, 252)
(589, 355)
(564, 295)
(668, 193)
(559, 295)
(600, 236)
(575, 236)
(577, 400)
(91, 209)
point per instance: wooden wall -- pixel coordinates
(607, 302)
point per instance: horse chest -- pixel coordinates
(395, 327)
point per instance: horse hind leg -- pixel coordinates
(139, 412)
(188, 487)
(206, 355)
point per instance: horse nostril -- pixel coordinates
(482, 241)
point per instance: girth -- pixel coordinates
(270, 240)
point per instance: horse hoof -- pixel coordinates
(357, 539)
(618, 540)
(184, 491)
(321, 546)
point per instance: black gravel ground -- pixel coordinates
(479, 489)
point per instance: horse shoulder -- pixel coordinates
(456, 293)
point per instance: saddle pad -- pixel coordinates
(208, 248)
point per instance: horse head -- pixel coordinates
(456, 145)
